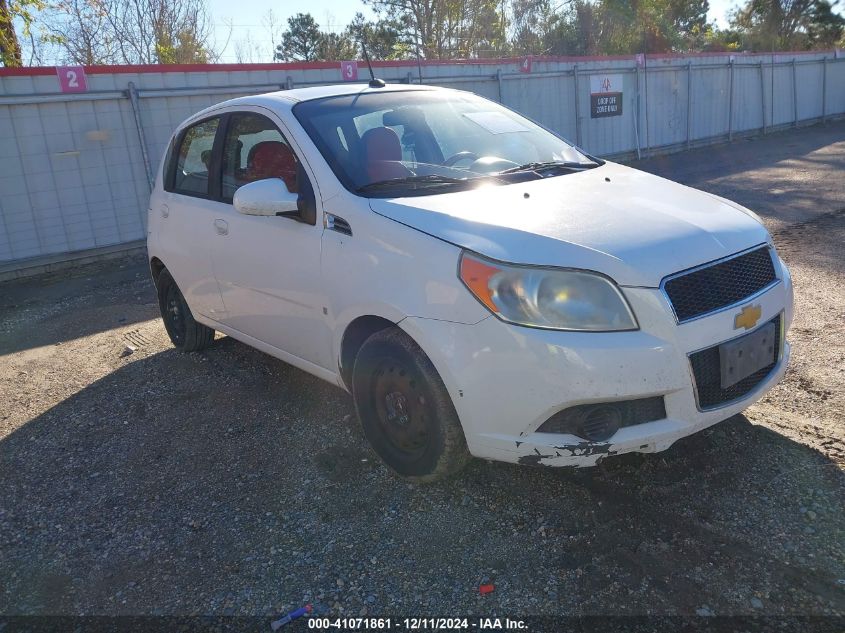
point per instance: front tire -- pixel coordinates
(405, 410)
(185, 333)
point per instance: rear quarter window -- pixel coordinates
(192, 159)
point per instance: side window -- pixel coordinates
(193, 159)
(254, 149)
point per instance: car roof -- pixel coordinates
(288, 98)
(335, 90)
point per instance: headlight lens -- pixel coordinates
(549, 298)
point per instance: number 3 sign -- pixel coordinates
(349, 71)
(72, 78)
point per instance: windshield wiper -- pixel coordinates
(551, 164)
(413, 182)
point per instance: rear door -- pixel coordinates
(187, 208)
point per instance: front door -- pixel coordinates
(268, 268)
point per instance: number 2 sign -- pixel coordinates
(72, 78)
(349, 71)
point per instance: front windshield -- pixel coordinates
(418, 142)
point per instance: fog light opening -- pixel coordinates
(600, 423)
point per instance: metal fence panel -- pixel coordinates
(73, 174)
(747, 98)
(667, 105)
(710, 103)
(835, 94)
(809, 90)
(546, 99)
(780, 94)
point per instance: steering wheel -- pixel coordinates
(456, 158)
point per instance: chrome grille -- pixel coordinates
(720, 285)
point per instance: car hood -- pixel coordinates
(633, 226)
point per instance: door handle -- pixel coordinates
(222, 227)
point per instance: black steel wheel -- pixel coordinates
(185, 333)
(405, 410)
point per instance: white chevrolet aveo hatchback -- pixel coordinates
(478, 284)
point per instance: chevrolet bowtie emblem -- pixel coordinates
(748, 317)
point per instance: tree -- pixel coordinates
(443, 29)
(301, 41)
(181, 48)
(688, 15)
(721, 40)
(248, 51)
(533, 22)
(382, 37)
(273, 27)
(11, 10)
(788, 24)
(650, 26)
(587, 28)
(131, 31)
(336, 46)
(625, 27)
(82, 30)
(825, 28)
(573, 32)
(10, 48)
(161, 31)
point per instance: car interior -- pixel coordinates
(255, 150)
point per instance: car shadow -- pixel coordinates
(229, 482)
(70, 304)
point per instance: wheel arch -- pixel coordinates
(356, 332)
(156, 266)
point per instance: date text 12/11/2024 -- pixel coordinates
(417, 624)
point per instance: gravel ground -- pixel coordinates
(227, 482)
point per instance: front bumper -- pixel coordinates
(506, 380)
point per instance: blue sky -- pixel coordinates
(247, 21)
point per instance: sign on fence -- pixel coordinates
(525, 64)
(349, 71)
(605, 96)
(72, 78)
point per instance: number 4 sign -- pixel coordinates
(72, 78)
(525, 64)
(349, 71)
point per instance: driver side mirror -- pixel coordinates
(268, 197)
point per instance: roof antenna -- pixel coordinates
(374, 83)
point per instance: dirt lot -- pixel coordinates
(228, 482)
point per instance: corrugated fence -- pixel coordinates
(75, 167)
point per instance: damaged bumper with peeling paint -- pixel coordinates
(506, 380)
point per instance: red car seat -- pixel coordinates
(272, 159)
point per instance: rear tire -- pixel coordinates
(185, 333)
(405, 410)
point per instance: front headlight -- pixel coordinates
(550, 298)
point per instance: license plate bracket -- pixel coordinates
(747, 355)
